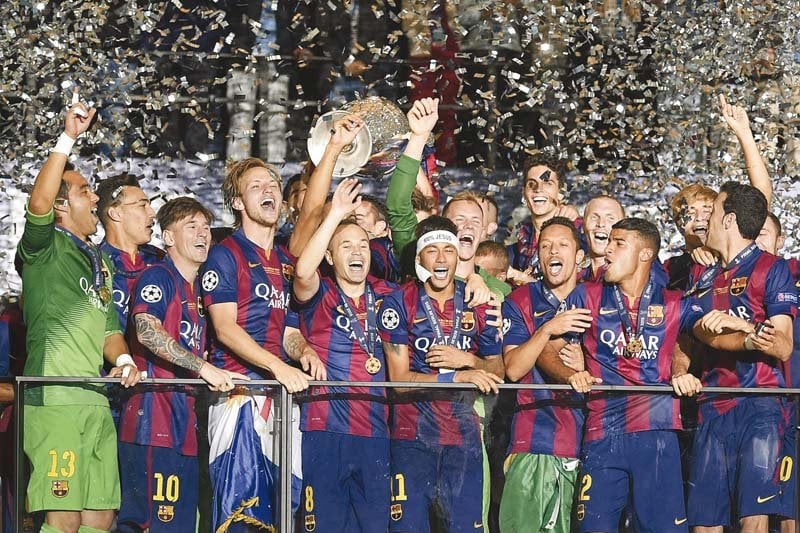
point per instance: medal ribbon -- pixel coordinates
(641, 318)
(93, 254)
(458, 312)
(707, 278)
(366, 339)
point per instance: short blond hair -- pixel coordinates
(689, 195)
(232, 185)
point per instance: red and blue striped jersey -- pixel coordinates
(360, 411)
(545, 422)
(668, 315)
(126, 271)
(165, 419)
(760, 286)
(383, 261)
(260, 284)
(791, 368)
(441, 417)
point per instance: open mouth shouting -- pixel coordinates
(600, 237)
(701, 229)
(268, 203)
(201, 245)
(466, 239)
(554, 266)
(440, 273)
(356, 266)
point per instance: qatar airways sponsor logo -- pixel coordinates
(191, 334)
(275, 298)
(94, 299)
(740, 311)
(616, 341)
(423, 344)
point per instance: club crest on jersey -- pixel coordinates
(166, 513)
(60, 488)
(210, 281)
(738, 285)
(468, 322)
(151, 294)
(390, 319)
(288, 272)
(310, 522)
(396, 511)
(655, 315)
(506, 326)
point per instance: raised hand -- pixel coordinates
(346, 197)
(79, 117)
(423, 115)
(735, 116)
(344, 130)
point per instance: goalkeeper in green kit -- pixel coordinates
(69, 435)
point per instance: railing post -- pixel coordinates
(796, 428)
(285, 466)
(19, 456)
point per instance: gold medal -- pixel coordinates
(105, 294)
(633, 349)
(372, 365)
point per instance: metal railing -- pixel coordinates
(283, 418)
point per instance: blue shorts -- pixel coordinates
(736, 456)
(640, 469)
(787, 469)
(423, 474)
(345, 483)
(159, 489)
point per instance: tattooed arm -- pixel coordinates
(154, 337)
(298, 350)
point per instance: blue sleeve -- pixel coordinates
(153, 292)
(780, 295)
(219, 279)
(691, 312)
(489, 340)
(515, 331)
(393, 322)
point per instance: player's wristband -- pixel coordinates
(64, 144)
(124, 359)
(447, 377)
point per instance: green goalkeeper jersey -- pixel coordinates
(66, 319)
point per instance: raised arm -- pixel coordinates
(422, 119)
(346, 199)
(343, 131)
(736, 118)
(45, 188)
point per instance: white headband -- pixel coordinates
(432, 237)
(435, 237)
